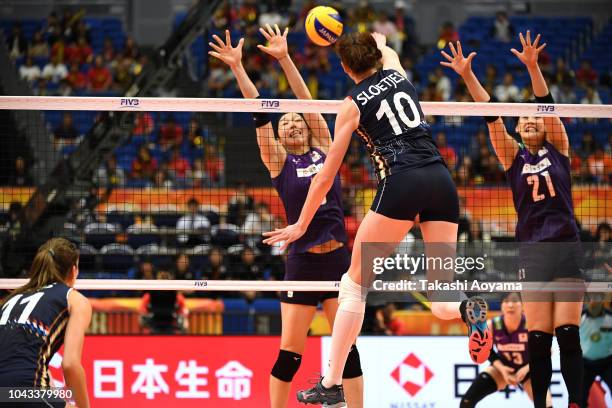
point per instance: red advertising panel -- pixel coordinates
(185, 371)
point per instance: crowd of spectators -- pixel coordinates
(314, 62)
(59, 58)
(317, 63)
(73, 66)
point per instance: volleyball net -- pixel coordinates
(174, 193)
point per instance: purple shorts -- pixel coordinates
(315, 267)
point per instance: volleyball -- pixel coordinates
(323, 25)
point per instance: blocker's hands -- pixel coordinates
(224, 50)
(277, 42)
(531, 51)
(458, 62)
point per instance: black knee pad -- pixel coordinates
(539, 343)
(568, 337)
(482, 386)
(287, 364)
(352, 368)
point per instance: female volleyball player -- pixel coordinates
(538, 170)
(510, 363)
(383, 109)
(39, 317)
(292, 160)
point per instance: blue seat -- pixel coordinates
(117, 262)
(87, 261)
(269, 306)
(236, 318)
(123, 219)
(166, 219)
(225, 237)
(198, 262)
(99, 240)
(138, 240)
(159, 260)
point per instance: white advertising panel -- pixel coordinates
(430, 372)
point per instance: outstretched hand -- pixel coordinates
(224, 50)
(460, 64)
(530, 53)
(285, 235)
(277, 42)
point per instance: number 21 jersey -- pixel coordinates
(542, 193)
(32, 328)
(392, 124)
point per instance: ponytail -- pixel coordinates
(52, 263)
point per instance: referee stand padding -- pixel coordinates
(121, 316)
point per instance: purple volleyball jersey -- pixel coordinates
(511, 347)
(542, 194)
(292, 185)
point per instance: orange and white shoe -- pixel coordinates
(474, 314)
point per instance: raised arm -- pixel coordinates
(555, 130)
(277, 47)
(346, 123)
(390, 59)
(505, 146)
(272, 153)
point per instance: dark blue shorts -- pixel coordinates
(428, 192)
(548, 261)
(315, 267)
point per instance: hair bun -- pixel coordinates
(358, 52)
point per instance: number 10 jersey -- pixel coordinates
(392, 124)
(32, 328)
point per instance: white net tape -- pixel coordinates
(297, 286)
(288, 105)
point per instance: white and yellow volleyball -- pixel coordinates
(323, 25)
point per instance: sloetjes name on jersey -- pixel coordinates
(389, 81)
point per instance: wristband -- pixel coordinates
(493, 356)
(261, 118)
(545, 99)
(491, 119)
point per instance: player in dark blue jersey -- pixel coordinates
(538, 170)
(509, 358)
(384, 111)
(37, 318)
(293, 159)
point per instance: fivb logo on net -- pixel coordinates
(130, 103)
(544, 109)
(270, 104)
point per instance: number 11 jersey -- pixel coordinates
(32, 328)
(542, 194)
(392, 124)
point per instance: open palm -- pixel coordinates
(224, 50)
(458, 62)
(277, 42)
(530, 53)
